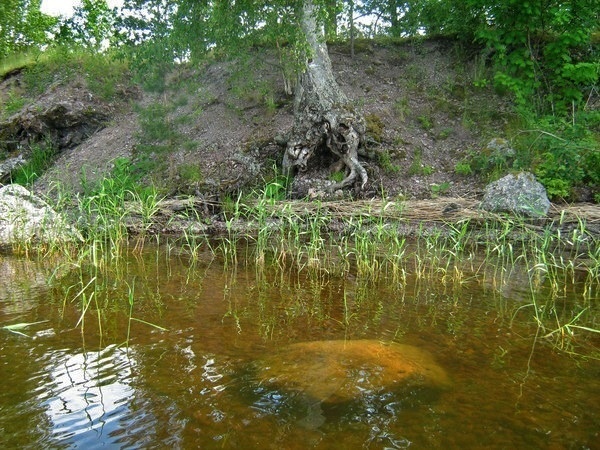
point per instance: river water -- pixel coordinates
(160, 350)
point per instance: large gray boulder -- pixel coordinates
(26, 218)
(520, 194)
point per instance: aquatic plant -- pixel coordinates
(17, 327)
(366, 240)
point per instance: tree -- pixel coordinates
(90, 26)
(23, 26)
(323, 117)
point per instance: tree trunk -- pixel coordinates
(324, 120)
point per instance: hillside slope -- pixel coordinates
(218, 130)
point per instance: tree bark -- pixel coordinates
(324, 119)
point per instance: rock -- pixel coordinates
(64, 123)
(499, 148)
(9, 165)
(25, 218)
(521, 195)
(338, 371)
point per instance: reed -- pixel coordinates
(363, 239)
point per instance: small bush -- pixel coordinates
(463, 168)
(190, 173)
(563, 155)
(385, 161)
(417, 167)
(337, 176)
(440, 189)
(402, 108)
(426, 122)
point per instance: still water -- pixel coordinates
(84, 375)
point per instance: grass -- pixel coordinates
(17, 327)
(105, 74)
(372, 249)
(417, 167)
(337, 240)
(267, 233)
(41, 158)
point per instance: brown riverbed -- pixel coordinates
(199, 383)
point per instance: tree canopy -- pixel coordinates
(23, 26)
(544, 53)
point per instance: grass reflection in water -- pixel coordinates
(201, 322)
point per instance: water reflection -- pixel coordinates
(87, 395)
(200, 384)
(21, 281)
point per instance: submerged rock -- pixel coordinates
(25, 218)
(340, 371)
(520, 194)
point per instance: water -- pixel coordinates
(78, 380)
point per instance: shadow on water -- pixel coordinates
(250, 358)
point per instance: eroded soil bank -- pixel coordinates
(217, 134)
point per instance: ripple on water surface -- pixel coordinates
(251, 362)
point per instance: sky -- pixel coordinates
(65, 7)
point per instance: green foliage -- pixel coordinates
(23, 26)
(417, 167)
(337, 176)
(121, 181)
(189, 173)
(104, 75)
(40, 158)
(440, 189)
(444, 133)
(463, 168)
(188, 30)
(250, 89)
(426, 122)
(563, 155)
(276, 190)
(385, 161)
(91, 26)
(123, 184)
(494, 160)
(159, 135)
(13, 104)
(402, 108)
(155, 123)
(542, 52)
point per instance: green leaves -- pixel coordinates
(23, 25)
(16, 327)
(91, 26)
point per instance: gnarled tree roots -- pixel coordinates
(339, 131)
